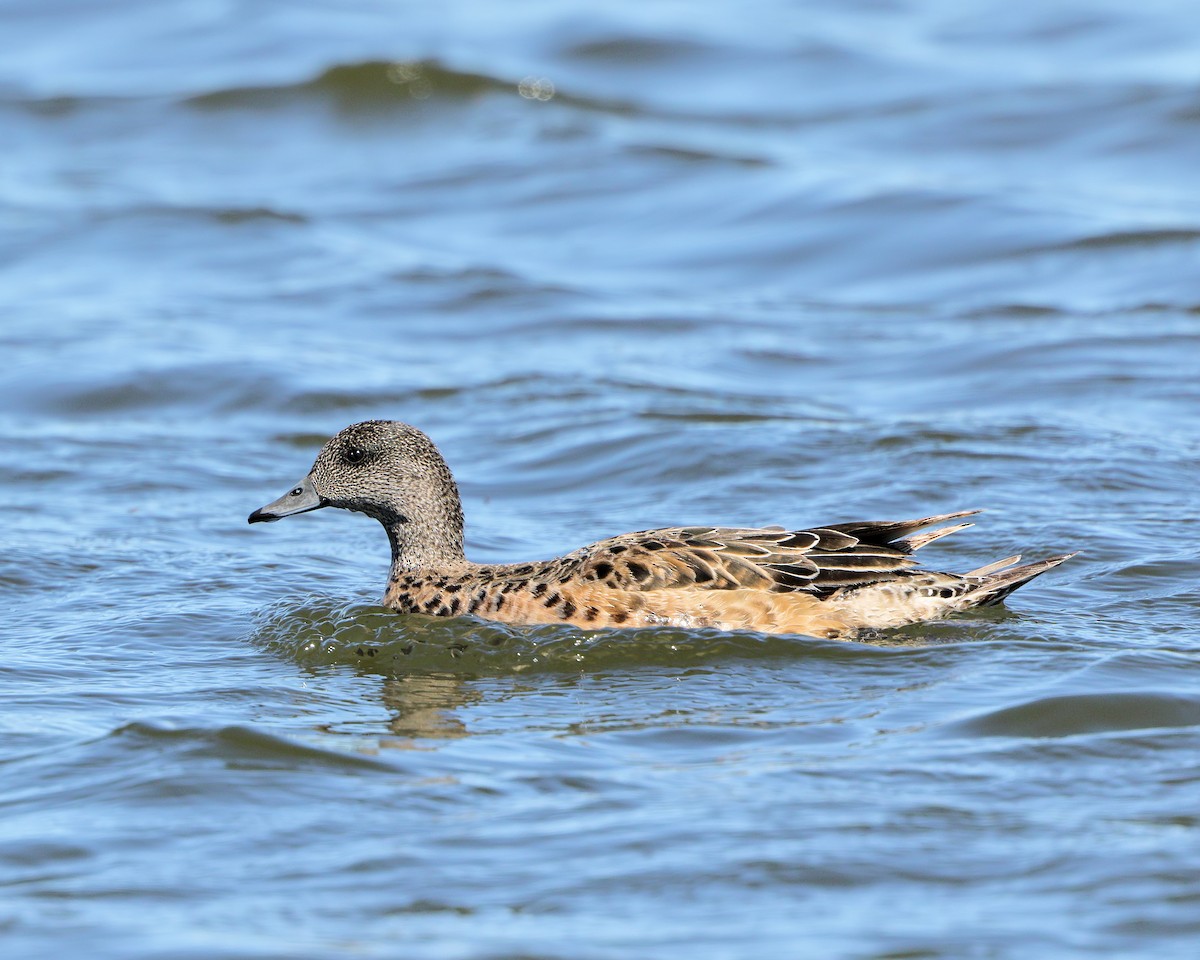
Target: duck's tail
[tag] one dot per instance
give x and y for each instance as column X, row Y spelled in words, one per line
column 1000, row 579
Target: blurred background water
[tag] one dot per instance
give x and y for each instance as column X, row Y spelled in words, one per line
column 629, row 264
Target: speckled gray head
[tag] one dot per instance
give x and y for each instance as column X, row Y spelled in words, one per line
column 390, row 471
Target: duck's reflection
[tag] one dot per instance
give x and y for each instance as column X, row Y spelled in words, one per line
column 427, row 705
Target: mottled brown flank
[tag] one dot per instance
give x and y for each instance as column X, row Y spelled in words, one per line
column 638, row 571
column 826, row 581
column 731, row 579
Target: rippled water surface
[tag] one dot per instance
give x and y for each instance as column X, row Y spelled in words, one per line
column 629, row 265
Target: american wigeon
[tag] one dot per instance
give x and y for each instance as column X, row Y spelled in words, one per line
column 828, row 581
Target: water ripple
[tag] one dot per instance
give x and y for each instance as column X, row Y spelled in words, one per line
column 376, row 640
column 1077, row 714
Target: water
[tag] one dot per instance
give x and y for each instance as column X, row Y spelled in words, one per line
column 629, row 266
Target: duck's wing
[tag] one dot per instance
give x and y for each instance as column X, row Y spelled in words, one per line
column 817, row 561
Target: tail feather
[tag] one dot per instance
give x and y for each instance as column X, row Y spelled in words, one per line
column 896, row 533
column 994, row 567
column 915, row 542
column 999, row 583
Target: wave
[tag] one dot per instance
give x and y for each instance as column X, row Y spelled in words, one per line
column 242, row 744
column 316, row 631
column 1079, row 714
column 369, row 85
column 364, row 84
column 1133, row 238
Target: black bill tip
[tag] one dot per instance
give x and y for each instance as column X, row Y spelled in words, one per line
column 300, row 499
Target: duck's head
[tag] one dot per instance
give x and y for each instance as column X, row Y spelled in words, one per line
column 390, row 471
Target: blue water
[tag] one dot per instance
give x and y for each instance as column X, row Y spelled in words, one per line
column 629, row 266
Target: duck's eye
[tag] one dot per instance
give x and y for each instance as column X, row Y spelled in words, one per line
column 296, row 492
column 356, row 455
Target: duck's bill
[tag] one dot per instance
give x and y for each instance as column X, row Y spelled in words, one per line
column 300, row 499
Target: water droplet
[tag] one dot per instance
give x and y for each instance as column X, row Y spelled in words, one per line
column 536, row 88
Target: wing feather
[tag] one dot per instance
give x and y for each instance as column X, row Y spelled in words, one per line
column 817, row 561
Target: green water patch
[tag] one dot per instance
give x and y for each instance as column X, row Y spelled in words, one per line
column 315, row 631
column 320, row 631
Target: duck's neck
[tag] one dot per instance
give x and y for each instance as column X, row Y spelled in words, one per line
column 417, row 547
column 429, row 536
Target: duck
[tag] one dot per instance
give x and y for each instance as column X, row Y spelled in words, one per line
column 833, row 581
